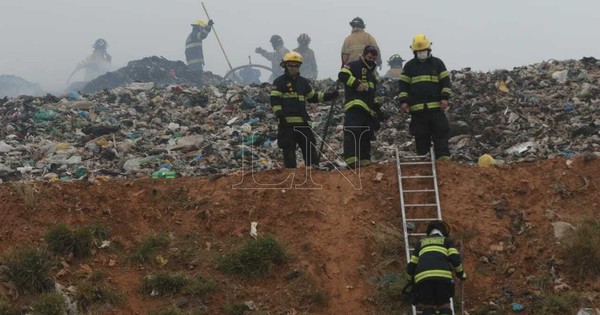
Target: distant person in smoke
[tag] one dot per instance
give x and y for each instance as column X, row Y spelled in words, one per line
column 309, row 66
column 96, row 64
column 274, row 57
column 355, row 43
column 194, row 54
column 395, row 63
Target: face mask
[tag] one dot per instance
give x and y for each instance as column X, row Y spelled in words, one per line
column 422, row 54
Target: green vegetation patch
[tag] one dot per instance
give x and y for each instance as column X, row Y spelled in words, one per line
column 581, row 250
column 254, row 258
column 28, row 268
column 49, row 304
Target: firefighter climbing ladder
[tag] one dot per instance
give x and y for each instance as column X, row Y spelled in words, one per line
column 416, row 213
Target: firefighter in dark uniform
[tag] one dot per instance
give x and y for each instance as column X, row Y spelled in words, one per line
column 194, row 55
column 362, row 111
column 430, row 268
column 424, row 92
column 289, row 95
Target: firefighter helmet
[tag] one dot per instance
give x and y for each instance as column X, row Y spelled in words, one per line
column 440, row 226
column 100, row 44
column 357, row 22
column 276, row 39
column 291, row 56
column 395, row 60
column 420, row 42
column 200, row 23
column 303, row 39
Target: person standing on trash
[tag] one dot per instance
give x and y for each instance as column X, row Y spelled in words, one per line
column 355, row 43
column 194, row 54
column 289, row 95
column 98, row 63
column 274, row 57
column 425, row 89
column 430, row 269
column 395, row 63
column 362, row 110
column 309, row 66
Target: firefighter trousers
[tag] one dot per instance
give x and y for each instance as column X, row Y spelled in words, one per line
column 357, row 137
column 290, row 136
column 430, row 125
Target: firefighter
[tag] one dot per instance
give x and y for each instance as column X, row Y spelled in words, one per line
column 362, row 111
column 289, row 95
column 98, row 63
column 274, row 57
column 194, row 55
column 309, row 66
column 395, row 63
column 430, row 268
column 424, row 92
column 355, row 43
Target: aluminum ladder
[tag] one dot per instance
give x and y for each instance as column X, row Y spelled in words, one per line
column 420, row 204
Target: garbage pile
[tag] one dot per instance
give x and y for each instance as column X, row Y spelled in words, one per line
column 147, row 129
column 150, row 69
column 11, row 86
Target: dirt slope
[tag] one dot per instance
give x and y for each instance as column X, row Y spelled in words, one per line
column 502, row 213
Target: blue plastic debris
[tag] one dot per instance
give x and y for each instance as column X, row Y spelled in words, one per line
column 73, row 96
column 516, row 307
column 568, row 107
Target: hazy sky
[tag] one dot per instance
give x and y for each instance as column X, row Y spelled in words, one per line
column 43, row 40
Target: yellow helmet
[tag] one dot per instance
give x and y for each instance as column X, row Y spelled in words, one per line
column 199, row 23
column 292, row 56
column 420, row 42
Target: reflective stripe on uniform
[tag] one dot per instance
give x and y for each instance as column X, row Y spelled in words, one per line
column 424, row 78
column 443, row 74
column 403, row 94
column 421, row 106
column 438, row 249
column 277, row 108
column 351, row 160
column 459, row 268
column 293, row 95
column 405, row 78
column 447, row 90
column 276, row 93
column 321, row 97
column 310, row 94
column 452, row 251
column 414, row 259
column 192, row 45
column 433, row 273
column 360, row 103
column 294, row 119
column 193, row 61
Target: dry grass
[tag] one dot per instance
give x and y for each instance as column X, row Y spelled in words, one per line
column 581, row 250
column 28, row 268
column 28, row 193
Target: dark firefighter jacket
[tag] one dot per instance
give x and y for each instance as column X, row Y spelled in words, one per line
column 193, row 45
column 434, row 257
column 289, row 96
column 424, row 82
column 352, row 75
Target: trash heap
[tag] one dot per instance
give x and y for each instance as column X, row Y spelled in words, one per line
column 151, row 129
column 150, row 69
column 11, row 86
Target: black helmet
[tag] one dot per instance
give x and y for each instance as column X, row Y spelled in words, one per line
column 395, row 60
column 100, row 44
column 357, row 22
column 276, row 39
column 440, row 226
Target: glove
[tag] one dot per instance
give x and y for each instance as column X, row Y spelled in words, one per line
column 328, row 96
column 210, row 23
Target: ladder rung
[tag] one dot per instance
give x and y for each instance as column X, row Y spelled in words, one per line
column 414, row 163
column 415, row 156
column 419, row 190
column 421, row 205
column 417, row 234
column 422, row 219
column 418, row 176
